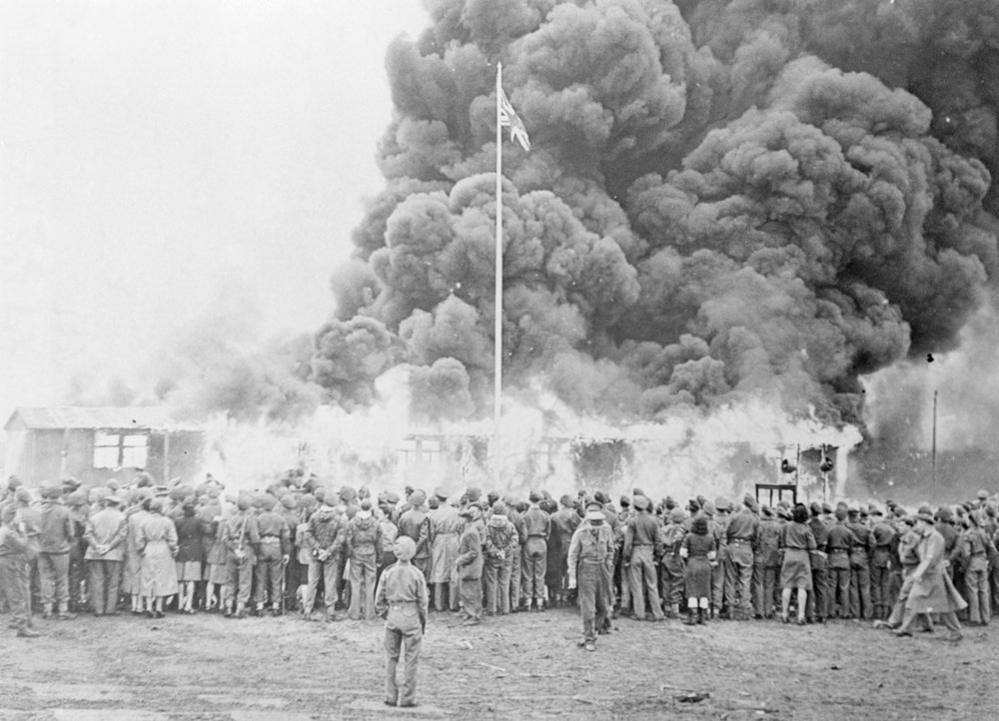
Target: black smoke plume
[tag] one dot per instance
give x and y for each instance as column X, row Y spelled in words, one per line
column 724, row 199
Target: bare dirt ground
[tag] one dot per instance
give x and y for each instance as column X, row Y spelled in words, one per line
column 523, row 666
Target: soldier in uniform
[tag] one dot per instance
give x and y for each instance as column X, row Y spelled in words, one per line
column 402, row 600
column 590, row 560
column 883, row 538
column 565, row 521
column 364, row 542
column 14, row 570
column 767, row 565
column 240, row 538
column 534, row 556
column 642, row 546
column 55, row 540
column 325, row 535
column 516, row 517
column 621, row 585
column 275, row 552
column 818, row 599
column 974, row 549
column 500, row 537
column 742, row 538
column 839, row 542
column 389, row 531
column 716, row 528
column 294, row 571
column 79, row 508
column 469, row 566
column 860, row 566
column 671, row 578
column 413, row 522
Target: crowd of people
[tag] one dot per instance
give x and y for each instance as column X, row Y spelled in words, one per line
column 301, row 546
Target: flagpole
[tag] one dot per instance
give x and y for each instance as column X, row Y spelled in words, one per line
column 498, row 300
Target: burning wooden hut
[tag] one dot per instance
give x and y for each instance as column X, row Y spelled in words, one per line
column 94, row 444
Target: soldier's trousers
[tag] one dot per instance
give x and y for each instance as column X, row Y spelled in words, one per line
column 643, row 580
column 533, row 567
column 53, row 568
column 768, row 591
column 592, row 581
column 994, row 584
column 423, row 563
column 894, row 587
column 238, row 580
column 497, row 585
column 105, row 583
column 671, row 584
column 329, row 571
column 817, row 606
column 470, row 593
column 976, row 587
column 515, row 560
column 881, row 591
column 404, row 643
column 77, row 577
column 739, row 580
column 14, row 589
column 362, row 587
column 622, row 580
column 268, row 586
column 839, row 592
column 860, row 591
column 718, row 579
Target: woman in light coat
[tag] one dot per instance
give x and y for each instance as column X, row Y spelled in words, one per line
column 157, row 543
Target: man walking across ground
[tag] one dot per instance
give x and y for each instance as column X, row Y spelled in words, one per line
column 591, row 557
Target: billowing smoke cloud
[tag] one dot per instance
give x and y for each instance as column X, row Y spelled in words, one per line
column 724, row 200
column 221, row 364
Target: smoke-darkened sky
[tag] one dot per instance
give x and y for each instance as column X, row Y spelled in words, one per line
column 724, row 200
column 161, row 158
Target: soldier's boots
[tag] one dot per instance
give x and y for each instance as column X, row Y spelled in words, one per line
column 27, row 632
column 64, row 614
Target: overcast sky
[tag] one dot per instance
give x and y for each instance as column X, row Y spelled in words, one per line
column 155, row 156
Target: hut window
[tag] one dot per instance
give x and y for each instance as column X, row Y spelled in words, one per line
column 120, row 450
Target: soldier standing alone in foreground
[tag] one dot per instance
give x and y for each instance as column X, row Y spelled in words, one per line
column 591, row 556
column 402, row 600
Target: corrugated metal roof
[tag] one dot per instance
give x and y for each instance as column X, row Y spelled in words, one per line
column 60, row 417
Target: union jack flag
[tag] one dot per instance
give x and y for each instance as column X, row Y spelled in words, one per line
column 510, row 119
